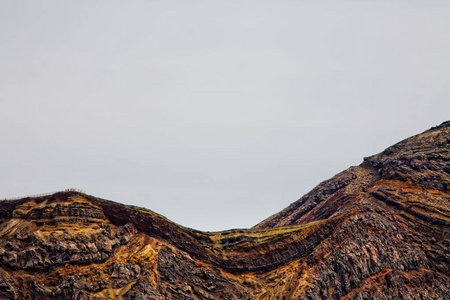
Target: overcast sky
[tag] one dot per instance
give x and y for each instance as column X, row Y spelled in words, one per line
column 215, row 114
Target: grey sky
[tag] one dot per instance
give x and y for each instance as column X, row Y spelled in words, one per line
column 215, row 114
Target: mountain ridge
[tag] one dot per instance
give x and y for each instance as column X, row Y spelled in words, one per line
column 380, row 230
column 391, row 166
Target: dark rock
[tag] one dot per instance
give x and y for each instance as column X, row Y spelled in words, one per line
column 380, row 230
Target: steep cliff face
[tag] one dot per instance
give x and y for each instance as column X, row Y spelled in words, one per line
column 395, row 241
column 380, row 230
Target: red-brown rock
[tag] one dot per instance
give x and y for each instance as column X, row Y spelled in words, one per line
column 380, row 230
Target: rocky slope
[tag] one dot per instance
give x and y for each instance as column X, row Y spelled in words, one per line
column 380, row 230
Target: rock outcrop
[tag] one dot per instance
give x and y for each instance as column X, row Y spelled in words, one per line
column 380, row 230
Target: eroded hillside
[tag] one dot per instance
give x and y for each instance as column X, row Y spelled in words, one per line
column 380, row 230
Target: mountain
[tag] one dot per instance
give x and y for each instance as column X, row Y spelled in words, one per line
column 380, row 230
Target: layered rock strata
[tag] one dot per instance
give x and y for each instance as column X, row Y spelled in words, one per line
column 380, row 230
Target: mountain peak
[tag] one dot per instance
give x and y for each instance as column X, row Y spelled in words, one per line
column 420, row 162
column 380, row 230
